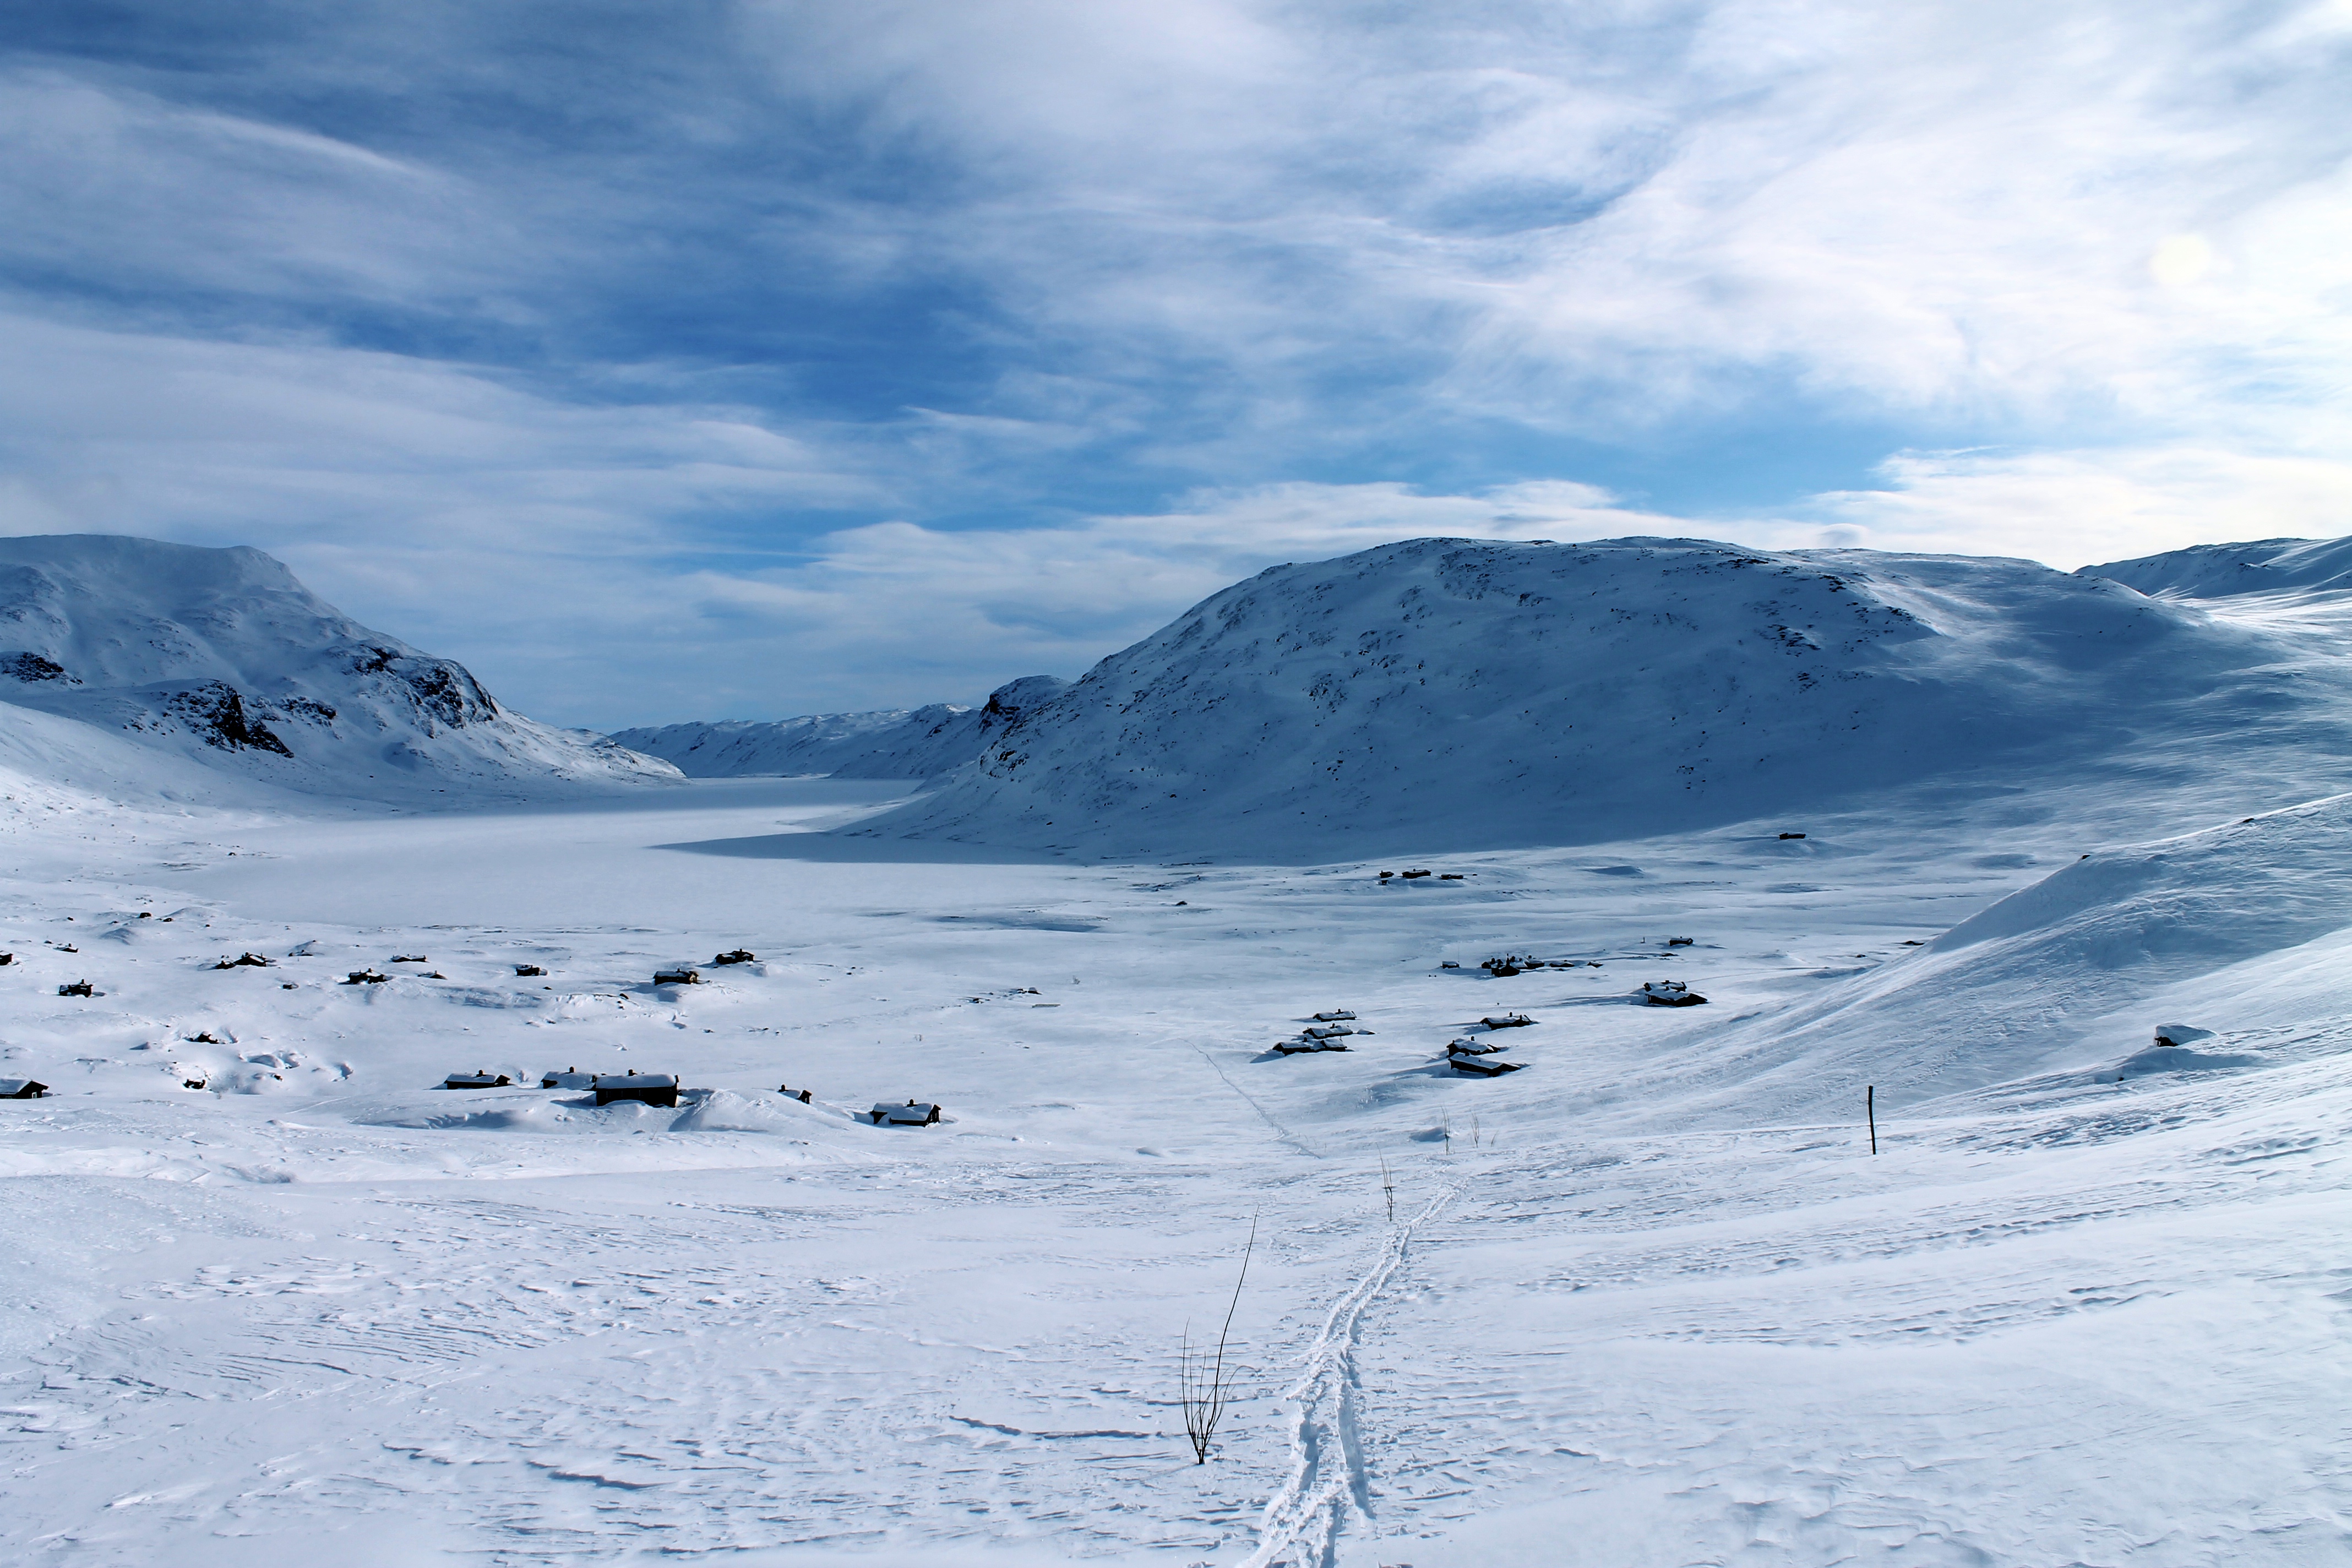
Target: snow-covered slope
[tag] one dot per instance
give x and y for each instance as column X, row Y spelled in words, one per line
column 222, row 656
column 1447, row 693
column 2068, row 976
column 894, row 743
column 2226, row 571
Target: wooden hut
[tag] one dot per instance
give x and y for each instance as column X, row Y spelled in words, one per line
column 477, row 1079
column 646, row 1087
column 22, row 1089
column 1482, row 1066
column 911, row 1114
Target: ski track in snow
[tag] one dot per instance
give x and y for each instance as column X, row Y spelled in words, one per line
column 1651, row 1303
column 1327, row 1478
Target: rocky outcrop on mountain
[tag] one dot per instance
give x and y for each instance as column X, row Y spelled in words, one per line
column 224, row 656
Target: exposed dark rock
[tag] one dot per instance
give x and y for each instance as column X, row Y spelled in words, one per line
column 31, row 666
column 217, row 712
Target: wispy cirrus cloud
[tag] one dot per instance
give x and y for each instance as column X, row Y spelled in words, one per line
column 762, row 330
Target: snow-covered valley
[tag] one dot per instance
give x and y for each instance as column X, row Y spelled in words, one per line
column 1653, row 1298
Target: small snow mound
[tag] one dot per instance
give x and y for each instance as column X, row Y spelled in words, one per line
column 725, row 1111
column 2178, row 1058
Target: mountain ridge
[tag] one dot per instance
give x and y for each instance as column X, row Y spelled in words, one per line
column 223, row 656
column 1460, row 693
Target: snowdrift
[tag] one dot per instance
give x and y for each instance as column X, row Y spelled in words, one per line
column 894, row 743
column 1456, row 694
column 221, row 657
column 2072, row 972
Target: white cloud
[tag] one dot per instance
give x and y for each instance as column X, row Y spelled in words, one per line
column 2074, row 509
column 1226, row 240
column 1593, row 221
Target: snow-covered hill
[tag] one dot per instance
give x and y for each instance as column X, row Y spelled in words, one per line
column 1910, row 1246
column 221, row 657
column 1446, row 694
column 2243, row 928
column 2227, row 571
column 894, row 743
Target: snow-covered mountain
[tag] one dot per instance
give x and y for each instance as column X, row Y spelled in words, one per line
column 223, row 658
column 2227, row 571
column 893, row 743
column 1452, row 693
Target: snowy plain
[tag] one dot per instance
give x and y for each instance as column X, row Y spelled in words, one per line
column 1652, row 1299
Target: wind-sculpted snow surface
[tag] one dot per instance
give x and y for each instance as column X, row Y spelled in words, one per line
column 1447, row 693
column 2228, row 571
column 2030, row 986
column 267, row 1287
column 893, row 743
column 221, row 656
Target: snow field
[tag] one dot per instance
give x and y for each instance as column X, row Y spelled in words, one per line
column 1650, row 1301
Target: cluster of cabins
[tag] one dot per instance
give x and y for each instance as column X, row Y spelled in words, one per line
column 662, row 1089
column 1327, row 1031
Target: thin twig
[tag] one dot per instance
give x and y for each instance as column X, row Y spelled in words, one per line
column 1204, row 1401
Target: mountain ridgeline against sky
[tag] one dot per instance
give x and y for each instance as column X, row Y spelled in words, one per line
column 1449, row 693
column 222, row 656
column 2232, row 571
column 892, row 744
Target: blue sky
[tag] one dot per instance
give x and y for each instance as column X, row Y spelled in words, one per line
column 738, row 360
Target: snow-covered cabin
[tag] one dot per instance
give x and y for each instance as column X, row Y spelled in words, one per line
column 1482, row 1066
column 1306, row 1043
column 740, row 956
column 1335, row 1015
column 2180, row 1034
column 647, row 1087
column 22, row 1089
column 678, row 977
column 568, row 1078
column 1507, row 1021
column 1469, row 1046
column 477, row 1079
column 1670, row 993
column 911, row 1114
